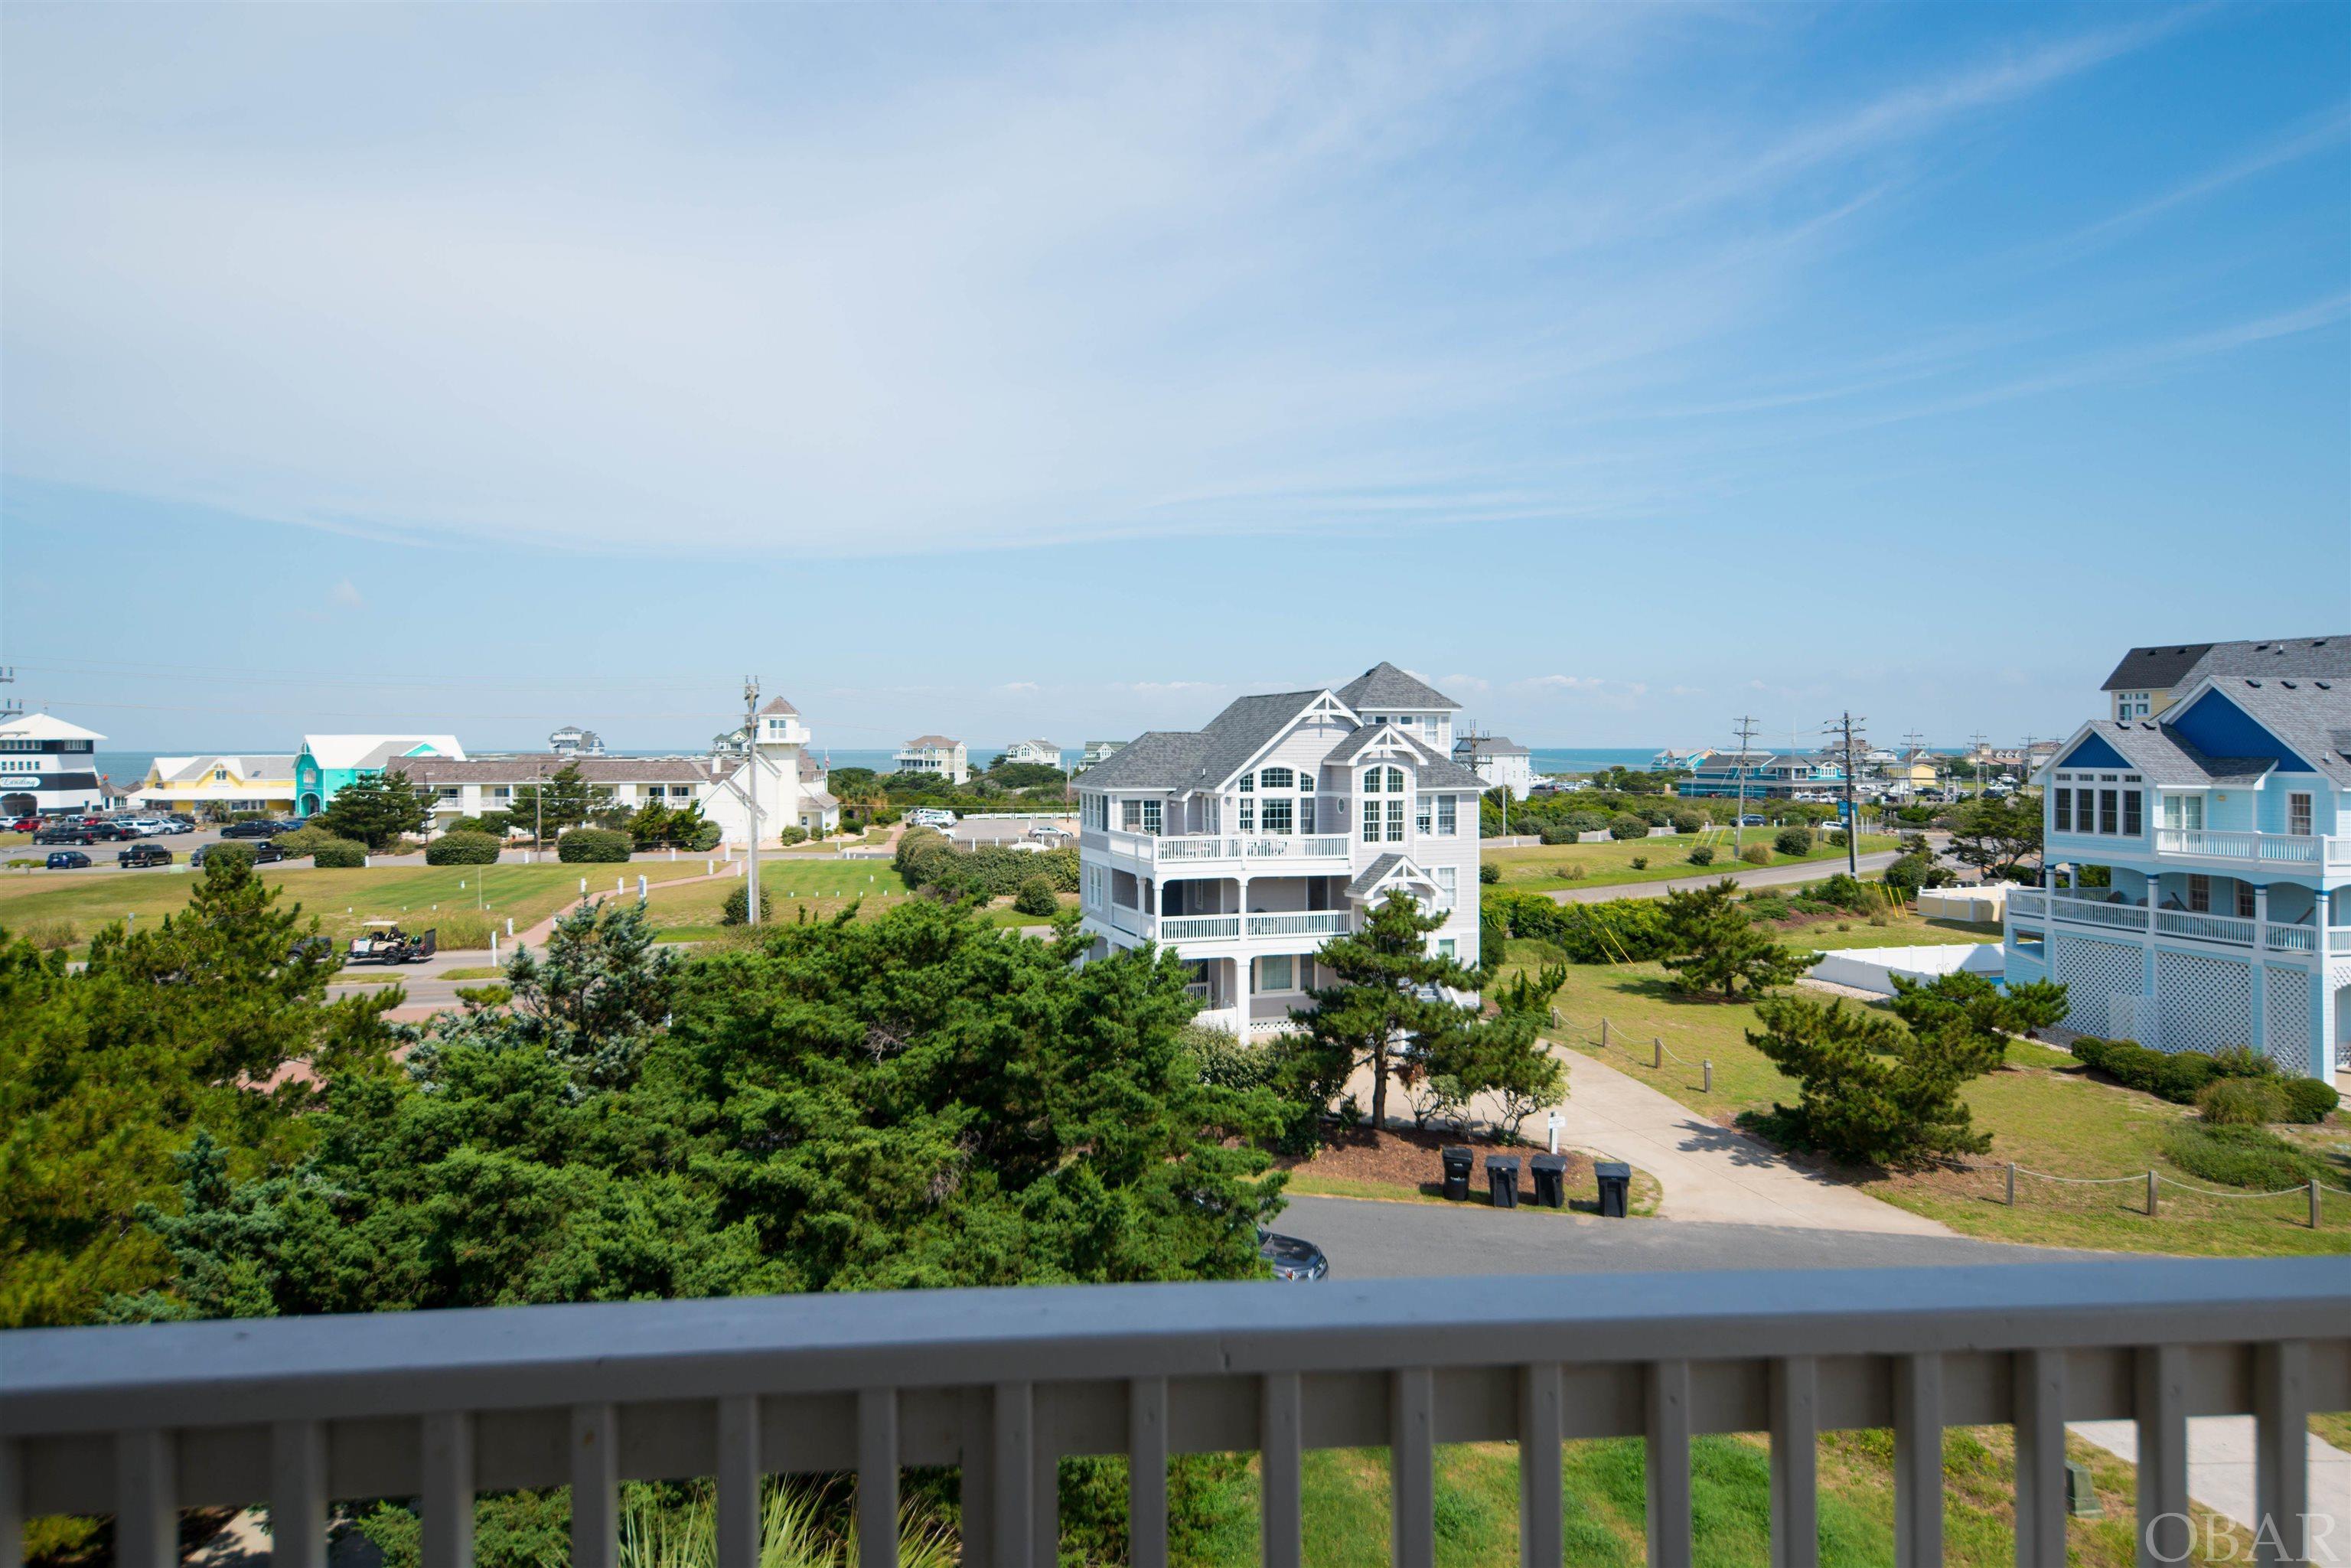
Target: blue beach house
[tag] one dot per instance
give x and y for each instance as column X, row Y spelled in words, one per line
column 2197, row 892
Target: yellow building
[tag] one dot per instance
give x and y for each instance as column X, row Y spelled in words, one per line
column 217, row 786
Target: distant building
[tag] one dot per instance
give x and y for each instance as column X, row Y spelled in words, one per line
column 328, row 762
column 1042, row 752
column 47, row 767
column 1760, row 776
column 1500, row 761
column 937, row 756
column 218, row 785
column 2142, row 684
column 573, row 741
column 1098, row 751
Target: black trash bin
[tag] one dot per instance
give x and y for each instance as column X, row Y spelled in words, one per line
column 1551, row 1180
column 1502, row 1179
column 1458, row 1164
column 1615, row 1188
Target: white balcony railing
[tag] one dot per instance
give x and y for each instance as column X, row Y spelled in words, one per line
column 1307, row 923
column 1321, row 846
column 2338, row 939
column 1191, row 848
column 140, row 1422
column 1197, row 927
column 2025, row 901
column 2099, row 911
column 2263, row 848
column 2200, row 928
column 2289, row 938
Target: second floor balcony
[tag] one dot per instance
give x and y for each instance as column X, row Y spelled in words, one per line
column 1275, row 854
column 2106, row 909
column 2327, row 852
column 1192, row 930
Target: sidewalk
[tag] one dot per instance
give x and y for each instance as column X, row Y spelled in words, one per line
column 2220, row 1472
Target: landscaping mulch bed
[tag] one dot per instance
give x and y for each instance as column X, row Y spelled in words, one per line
column 1407, row 1158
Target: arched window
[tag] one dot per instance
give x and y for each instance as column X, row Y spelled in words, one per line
column 1395, row 782
column 1277, row 778
column 1248, row 783
column 1371, row 780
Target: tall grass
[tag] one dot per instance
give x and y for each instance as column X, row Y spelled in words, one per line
column 803, row 1524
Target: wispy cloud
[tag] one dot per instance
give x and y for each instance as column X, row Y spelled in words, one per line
column 345, row 595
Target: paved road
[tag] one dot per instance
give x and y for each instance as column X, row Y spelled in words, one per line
column 1754, row 877
column 1369, row 1240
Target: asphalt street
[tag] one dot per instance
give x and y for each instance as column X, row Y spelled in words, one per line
column 1368, row 1240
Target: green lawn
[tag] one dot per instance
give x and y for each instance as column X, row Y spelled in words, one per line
column 823, row 888
column 1346, row 1506
column 1549, row 867
column 67, row 908
column 2044, row 1112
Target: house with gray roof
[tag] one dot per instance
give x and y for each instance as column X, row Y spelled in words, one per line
column 1247, row 843
column 1500, row 761
column 2197, row 864
column 2145, row 681
column 936, row 756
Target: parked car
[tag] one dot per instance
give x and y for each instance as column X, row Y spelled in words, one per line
column 1751, row 820
column 63, row 833
column 258, row 829
column 24, row 825
column 1292, row 1259
column 68, row 860
column 113, row 832
column 180, row 824
column 263, row 854
column 144, row 854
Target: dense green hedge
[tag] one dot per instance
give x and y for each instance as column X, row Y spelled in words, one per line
column 1794, row 841
column 1607, row 933
column 588, row 846
column 2180, row 1076
column 736, row 908
column 1036, row 897
column 340, row 854
column 929, row 860
column 462, row 848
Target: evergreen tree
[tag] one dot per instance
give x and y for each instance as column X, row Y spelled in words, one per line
column 1715, row 945
column 1385, row 1008
column 375, row 808
column 563, row 800
column 1872, row 1090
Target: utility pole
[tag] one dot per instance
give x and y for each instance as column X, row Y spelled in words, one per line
column 1739, row 815
column 751, row 796
column 1847, row 727
column 1975, row 750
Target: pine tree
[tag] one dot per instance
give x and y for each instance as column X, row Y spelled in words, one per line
column 375, row 808
column 1715, row 945
column 1386, row 1008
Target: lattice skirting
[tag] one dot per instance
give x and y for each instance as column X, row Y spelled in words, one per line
column 2285, row 1016
column 2092, row 972
column 2206, row 1003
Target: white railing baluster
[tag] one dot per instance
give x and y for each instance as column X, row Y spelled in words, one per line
column 595, row 1486
column 297, row 1495
column 1667, row 1420
column 2039, row 1391
column 1412, row 1468
column 1012, row 1458
column 2280, row 1452
column 1281, row 1429
column 2160, row 1403
column 447, row 1462
column 146, row 1501
column 1541, row 1429
column 739, row 1469
column 1796, row 1462
column 1918, row 1461
column 1146, row 1473
column 877, row 1477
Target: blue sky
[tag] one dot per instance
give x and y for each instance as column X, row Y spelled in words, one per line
column 1067, row 371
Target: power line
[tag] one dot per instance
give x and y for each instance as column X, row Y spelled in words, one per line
column 1847, row 727
column 1746, row 750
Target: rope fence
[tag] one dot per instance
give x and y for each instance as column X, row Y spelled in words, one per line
column 1658, row 1053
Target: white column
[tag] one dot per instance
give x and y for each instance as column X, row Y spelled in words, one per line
column 2259, row 1025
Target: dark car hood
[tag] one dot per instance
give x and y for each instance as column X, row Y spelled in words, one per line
column 1278, row 1248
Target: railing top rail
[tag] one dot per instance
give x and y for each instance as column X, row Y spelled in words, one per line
column 396, row 1364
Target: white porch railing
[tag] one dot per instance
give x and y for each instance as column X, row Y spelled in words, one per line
column 1320, row 846
column 294, row 1411
column 2289, row 938
column 2202, row 927
column 1197, row 927
column 2097, row 912
column 2338, row 939
column 1186, row 848
column 1307, row 923
column 1196, row 847
column 2024, row 901
column 2265, row 849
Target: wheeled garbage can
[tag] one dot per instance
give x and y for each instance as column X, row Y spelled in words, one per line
column 1458, row 1164
column 1615, row 1188
column 1502, row 1179
column 1551, row 1180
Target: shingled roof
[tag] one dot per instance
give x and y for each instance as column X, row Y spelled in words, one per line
column 2169, row 666
column 1385, row 686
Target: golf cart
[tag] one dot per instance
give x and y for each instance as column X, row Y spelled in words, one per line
column 384, row 942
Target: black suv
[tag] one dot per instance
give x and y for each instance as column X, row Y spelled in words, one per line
column 63, row 833
column 144, row 854
column 263, row 854
column 254, row 830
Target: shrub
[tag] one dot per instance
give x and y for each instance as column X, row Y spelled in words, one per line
column 2251, row 1157
column 795, row 834
column 2308, row 1099
column 1620, row 930
column 1794, row 841
column 1584, row 822
column 1557, row 834
column 1756, row 854
column 306, row 840
column 1689, row 822
column 1701, row 854
column 1836, row 839
column 591, row 846
column 51, row 935
column 463, row 848
column 458, row 928
column 1628, row 825
column 736, row 908
column 222, row 853
column 1640, row 862
column 340, row 854
column 2240, row 1102
column 1036, row 897
column 706, row 838
column 1488, row 873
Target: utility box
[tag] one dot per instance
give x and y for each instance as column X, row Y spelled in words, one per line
column 1502, row 1180
column 2081, row 1497
column 1551, row 1180
column 1615, row 1180
column 1458, row 1163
